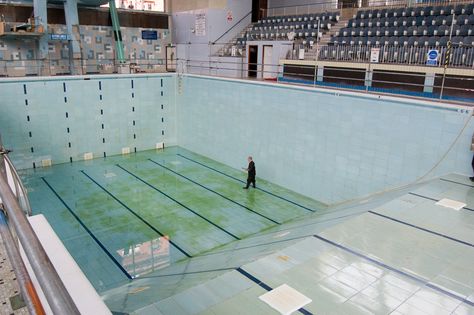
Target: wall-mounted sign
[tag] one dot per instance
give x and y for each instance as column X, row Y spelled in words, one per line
column 374, row 55
column 432, row 57
column 149, row 35
column 230, row 17
column 200, row 24
column 60, row 37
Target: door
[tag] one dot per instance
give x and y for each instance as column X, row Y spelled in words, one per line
column 268, row 68
column 253, row 61
column 171, row 58
column 259, row 9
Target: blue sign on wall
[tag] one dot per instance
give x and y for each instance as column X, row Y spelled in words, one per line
column 150, row 35
column 60, row 37
column 432, row 57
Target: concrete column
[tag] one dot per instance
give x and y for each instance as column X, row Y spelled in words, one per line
column 368, row 77
column 320, row 74
column 41, row 18
column 429, row 82
column 72, row 24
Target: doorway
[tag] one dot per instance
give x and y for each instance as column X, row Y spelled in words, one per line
column 171, row 58
column 267, row 61
column 253, row 61
column 259, row 9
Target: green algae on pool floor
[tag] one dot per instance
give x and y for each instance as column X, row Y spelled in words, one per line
column 122, row 217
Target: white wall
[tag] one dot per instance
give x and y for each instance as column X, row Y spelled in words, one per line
column 216, row 25
column 329, row 145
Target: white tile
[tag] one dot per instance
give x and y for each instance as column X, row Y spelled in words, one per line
column 449, row 203
column 285, row 299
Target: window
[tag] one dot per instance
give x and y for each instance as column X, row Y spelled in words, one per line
column 140, row 5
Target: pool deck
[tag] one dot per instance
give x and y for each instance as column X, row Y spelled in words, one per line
column 405, row 256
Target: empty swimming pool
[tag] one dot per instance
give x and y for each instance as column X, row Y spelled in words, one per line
column 123, row 217
column 171, row 231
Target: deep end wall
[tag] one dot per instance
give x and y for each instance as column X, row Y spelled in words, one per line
column 62, row 118
column 329, row 146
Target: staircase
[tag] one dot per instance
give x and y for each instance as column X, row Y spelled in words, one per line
column 326, row 38
column 226, row 50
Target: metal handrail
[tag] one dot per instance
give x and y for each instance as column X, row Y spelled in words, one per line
column 231, row 28
column 53, row 288
column 19, row 187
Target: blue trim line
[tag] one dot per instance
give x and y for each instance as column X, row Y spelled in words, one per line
column 400, row 272
column 265, row 286
column 136, row 214
column 215, row 192
column 454, row 182
column 89, row 231
column 422, row 229
column 235, row 178
column 433, row 199
column 179, row 203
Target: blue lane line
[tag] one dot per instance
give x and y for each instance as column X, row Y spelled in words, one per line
column 237, row 179
column 89, row 231
column 400, row 272
column 422, row 229
column 433, row 199
column 179, row 203
column 215, row 192
column 265, row 286
column 136, row 215
column 454, row 182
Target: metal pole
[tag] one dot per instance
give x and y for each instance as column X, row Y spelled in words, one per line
column 28, row 291
column 447, row 58
column 53, row 288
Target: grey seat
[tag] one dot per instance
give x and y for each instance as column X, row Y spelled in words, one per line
column 464, row 30
column 446, row 10
column 430, row 31
column 432, row 41
column 443, row 30
column 468, row 9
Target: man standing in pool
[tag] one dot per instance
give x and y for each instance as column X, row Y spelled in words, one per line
column 251, row 173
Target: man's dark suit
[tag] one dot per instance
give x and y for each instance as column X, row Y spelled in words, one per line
column 251, row 174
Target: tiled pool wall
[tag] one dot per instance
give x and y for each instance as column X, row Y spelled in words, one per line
column 329, row 146
column 326, row 145
column 63, row 118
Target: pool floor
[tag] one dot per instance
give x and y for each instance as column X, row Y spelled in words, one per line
column 124, row 217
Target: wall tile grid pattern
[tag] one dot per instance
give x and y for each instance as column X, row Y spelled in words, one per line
column 97, row 46
column 63, row 119
column 330, row 147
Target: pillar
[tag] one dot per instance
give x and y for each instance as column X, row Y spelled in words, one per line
column 429, row 82
column 320, row 74
column 41, row 18
column 368, row 77
column 72, row 24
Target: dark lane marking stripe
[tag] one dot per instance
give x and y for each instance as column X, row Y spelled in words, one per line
column 454, row 182
column 265, row 286
column 215, row 192
column 400, row 272
column 422, row 229
column 136, row 214
column 433, row 199
column 89, row 231
column 237, row 179
column 179, row 203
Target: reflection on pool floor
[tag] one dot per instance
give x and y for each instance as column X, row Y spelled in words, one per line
column 124, row 217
